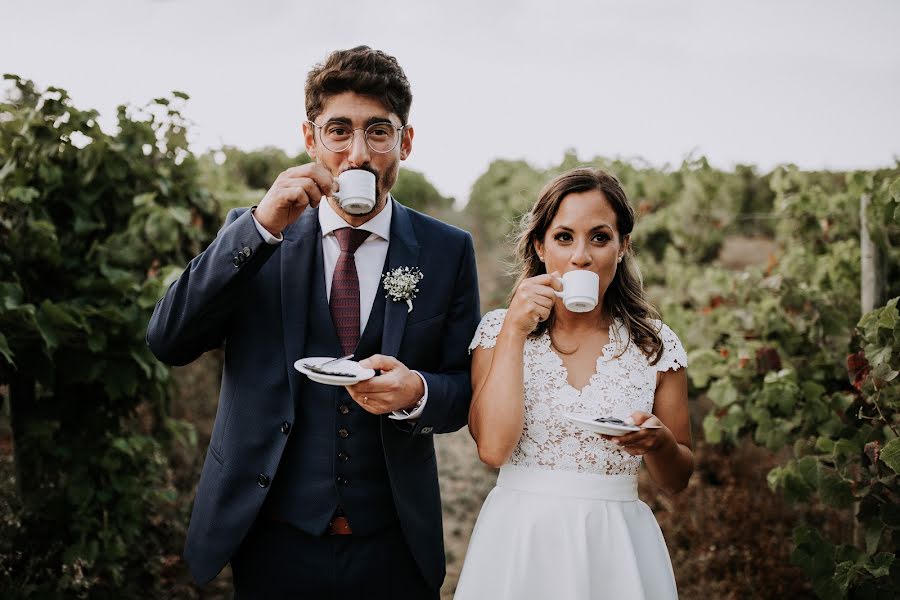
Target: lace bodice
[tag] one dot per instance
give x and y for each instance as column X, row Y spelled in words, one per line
column 620, row 385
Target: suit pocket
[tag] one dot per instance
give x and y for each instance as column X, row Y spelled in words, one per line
column 216, row 455
column 426, row 322
column 223, row 414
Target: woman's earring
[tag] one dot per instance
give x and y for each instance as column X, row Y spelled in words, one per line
column 540, row 258
column 620, row 259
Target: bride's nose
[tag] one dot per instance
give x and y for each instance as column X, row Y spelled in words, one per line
column 581, row 258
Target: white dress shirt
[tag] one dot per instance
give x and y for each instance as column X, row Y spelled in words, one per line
column 369, row 259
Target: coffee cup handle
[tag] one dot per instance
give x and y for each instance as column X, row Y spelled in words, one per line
column 562, row 293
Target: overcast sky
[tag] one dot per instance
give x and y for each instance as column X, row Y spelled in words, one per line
column 816, row 83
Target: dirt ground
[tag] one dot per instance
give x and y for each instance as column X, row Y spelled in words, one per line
column 465, row 482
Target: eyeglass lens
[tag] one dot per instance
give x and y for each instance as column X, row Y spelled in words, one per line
column 380, row 137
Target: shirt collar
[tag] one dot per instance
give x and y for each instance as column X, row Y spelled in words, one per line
column 380, row 224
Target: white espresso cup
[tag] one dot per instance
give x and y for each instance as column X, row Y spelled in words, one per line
column 581, row 290
column 357, row 191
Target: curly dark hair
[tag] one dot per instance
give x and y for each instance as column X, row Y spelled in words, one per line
column 624, row 299
column 362, row 70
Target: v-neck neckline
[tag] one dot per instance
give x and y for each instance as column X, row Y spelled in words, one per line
column 605, row 354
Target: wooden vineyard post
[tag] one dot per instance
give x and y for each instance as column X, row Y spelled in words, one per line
column 872, row 282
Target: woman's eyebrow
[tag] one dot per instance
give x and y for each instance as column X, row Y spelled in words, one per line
column 595, row 228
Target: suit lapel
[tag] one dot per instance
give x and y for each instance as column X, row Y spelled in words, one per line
column 402, row 252
column 298, row 253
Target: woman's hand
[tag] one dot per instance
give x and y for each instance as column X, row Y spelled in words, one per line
column 533, row 301
column 653, row 435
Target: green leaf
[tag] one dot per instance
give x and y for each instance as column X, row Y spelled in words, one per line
column 824, row 445
column 143, row 363
column 873, row 534
column 883, row 374
column 703, row 364
column 812, row 391
column 11, row 295
column 845, row 573
column 63, row 317
column 180, row 214
column 834, row 490
column 845, row 451
column 880, row 564
column 887, row 319
column 147, row 199
column 812, row 553
column 880, row 356
column 712, row 432
column 5, row 350
column 723, row 393
column 890, row 455
column 808, row 468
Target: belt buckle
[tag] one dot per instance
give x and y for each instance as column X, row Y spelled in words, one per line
column 339, row 526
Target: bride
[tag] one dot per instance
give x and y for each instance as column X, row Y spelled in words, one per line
column 564, row 520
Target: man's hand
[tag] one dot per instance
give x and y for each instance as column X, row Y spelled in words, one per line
column 397, row 387
column 292, row 192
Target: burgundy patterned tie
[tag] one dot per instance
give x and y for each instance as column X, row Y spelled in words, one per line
column 344, row 301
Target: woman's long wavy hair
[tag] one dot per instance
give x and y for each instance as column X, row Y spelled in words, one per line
column 624, row 299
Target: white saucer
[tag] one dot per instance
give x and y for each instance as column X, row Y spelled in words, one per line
column 605, row 428
column 345, row 366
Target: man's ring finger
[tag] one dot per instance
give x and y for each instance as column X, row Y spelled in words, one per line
column 366, row 400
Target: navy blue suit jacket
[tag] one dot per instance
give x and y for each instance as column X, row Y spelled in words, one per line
column 252, row 297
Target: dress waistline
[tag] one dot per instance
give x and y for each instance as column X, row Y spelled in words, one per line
column 618, row 488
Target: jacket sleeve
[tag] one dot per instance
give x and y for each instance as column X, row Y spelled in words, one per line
column 194, row 314
column 450, row 387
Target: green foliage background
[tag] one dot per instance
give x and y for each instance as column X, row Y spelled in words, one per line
column 93, row 226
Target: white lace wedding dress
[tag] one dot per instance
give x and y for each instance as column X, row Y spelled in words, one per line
column 564, row 520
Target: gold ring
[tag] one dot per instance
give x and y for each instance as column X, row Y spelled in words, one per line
column 365, row 400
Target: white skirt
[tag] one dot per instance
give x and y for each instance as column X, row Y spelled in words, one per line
column 545, row 534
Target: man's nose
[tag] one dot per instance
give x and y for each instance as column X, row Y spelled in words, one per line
column 358, row 153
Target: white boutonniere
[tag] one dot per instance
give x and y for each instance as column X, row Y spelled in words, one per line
column 402, row 284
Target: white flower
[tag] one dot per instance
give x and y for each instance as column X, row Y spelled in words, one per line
column 540, row 412
column 402, row 284
column 528, row 448
column 570, row 445
column 539, row 433
column 595, row 446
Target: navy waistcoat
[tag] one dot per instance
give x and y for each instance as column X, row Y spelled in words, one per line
column 334, row 458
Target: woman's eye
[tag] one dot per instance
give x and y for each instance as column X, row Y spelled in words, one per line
column 601, row 237
column 562, row 237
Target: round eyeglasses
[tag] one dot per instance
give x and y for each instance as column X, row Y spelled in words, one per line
column 380, row 137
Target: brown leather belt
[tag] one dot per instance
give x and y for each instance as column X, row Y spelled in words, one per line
column 339, row 526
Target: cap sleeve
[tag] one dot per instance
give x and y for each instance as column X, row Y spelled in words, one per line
column 673, row 357
column 488, row 329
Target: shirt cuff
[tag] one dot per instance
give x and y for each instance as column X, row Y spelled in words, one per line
column 268, row 237
column 416, row 411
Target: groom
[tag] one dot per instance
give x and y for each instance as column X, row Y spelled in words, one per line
column 312, row 490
